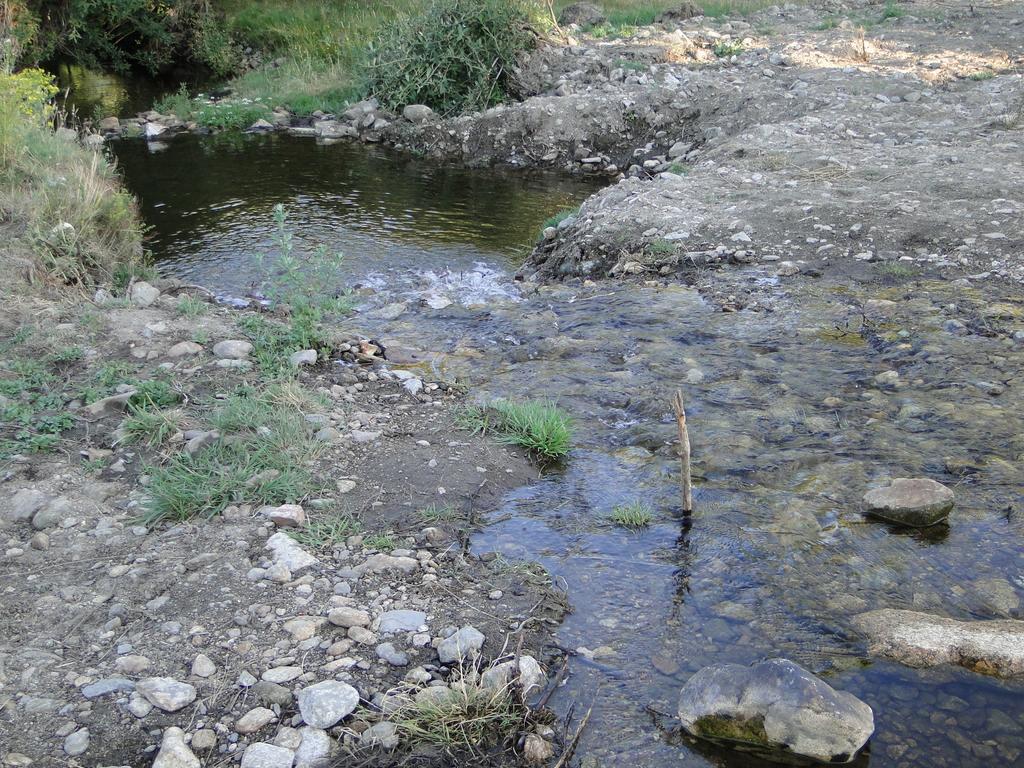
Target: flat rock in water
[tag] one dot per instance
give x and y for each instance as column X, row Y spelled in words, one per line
column 922, row 640
column 779, row 705
column 917, row 502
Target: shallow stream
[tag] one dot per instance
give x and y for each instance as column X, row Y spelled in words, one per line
column 777, row 557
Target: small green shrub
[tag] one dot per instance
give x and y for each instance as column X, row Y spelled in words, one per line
column 154, row 393
column 177, row 103
column 190, row 306
column 470, row 715
column 892, row 11
column 540, row 427
column 558, row 218
column 635, row 514
column 125, row 272
column 981, row 74
column 459, row 55
column 727, row 48
column 229, row 115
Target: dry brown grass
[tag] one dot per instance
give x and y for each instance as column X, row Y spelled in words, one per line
column 64, row 217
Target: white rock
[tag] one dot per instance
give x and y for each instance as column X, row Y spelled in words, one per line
column 314, row 748
column 166, row 693
column 174, row 753
column 143, row 294
column 264, row 755
column 287, row 552
column 254, row 719
column 203, row 666
column 232, row 349
column 325, row 704
column 462, row 645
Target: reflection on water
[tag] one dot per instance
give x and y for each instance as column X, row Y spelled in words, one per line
column 787, row 423
column 211, row 202
column 95, row 94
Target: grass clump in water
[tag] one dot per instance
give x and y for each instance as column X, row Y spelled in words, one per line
column 540, row 427
column 635, row 514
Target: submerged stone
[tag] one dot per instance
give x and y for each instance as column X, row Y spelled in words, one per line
column 777, row 709
column 922, row 640
column 915, row 502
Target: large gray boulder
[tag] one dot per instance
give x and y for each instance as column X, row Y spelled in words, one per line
column 916, row 502
column 922, row 640
column 777, row 709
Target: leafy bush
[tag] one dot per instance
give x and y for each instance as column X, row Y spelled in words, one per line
column 459, row 55
column 125, row 34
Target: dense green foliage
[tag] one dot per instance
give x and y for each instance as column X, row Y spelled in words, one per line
column 458, row 55
column 144, row 34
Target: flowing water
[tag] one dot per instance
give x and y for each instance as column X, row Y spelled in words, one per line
column 777, row 557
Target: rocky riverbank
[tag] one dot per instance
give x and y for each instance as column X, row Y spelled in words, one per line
column 800, row 138
column 278, row 633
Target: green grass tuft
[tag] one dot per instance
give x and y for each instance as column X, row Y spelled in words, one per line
column 383, row 542
column 635, row 514
column 261, row 458
column 150, row 426
column 540, row 427
column 438, row 513
column 325, row 532
column 190, row 306
column 469, row 716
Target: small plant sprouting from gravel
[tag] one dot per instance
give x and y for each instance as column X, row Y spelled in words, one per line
column 635, row 514
column 896, row 271
column 383, row 542
column 190, row 306
column 558, row 218
column 151, row 426
column 438, row 513
column 540, row 427
column 325, row 532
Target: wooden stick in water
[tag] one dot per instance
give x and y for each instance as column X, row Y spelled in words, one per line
column 684, row 451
